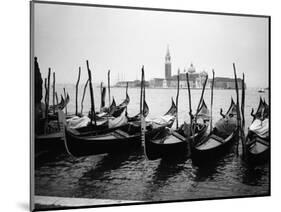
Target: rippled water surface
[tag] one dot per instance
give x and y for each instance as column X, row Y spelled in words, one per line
column 131, row 177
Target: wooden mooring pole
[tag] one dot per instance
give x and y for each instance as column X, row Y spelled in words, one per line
column 48, row 93
column 243, row 116
column 101, row 96
column 57, row 98
column 237, row 106
column 141, row 94
column 191, row 118
column 84, row 92
column 127, row 85
column 142, row 100
column 212, row 98
column 46, row 96
column 54, row 92
column 46, row 106
column 143, row 87
column 177, row 99
column 77, row 87
column 108, row 85
column 93, row 112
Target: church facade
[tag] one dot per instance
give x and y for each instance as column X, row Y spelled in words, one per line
column 196, row 79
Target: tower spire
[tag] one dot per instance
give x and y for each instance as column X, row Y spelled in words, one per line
column 168, row 56
column 168, row 68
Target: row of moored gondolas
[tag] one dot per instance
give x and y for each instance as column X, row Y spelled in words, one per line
column 114, row 131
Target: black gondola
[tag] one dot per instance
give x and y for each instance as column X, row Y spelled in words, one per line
column 103, row 118
column 138, row 117
column 114, row 110
column 257, row 144
column 103, row 125
column 117, row 110
column 219, row 141
column 125, row 102
column 118, row 140
column 61, row 105
column 257, row 148
column 101, row 140
column 173, row 109
column 262, row 105
column 200, row 129
column 173, row 143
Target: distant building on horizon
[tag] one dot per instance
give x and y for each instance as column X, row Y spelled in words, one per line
column 131, row 84
column 226, row 83
column 196, row 79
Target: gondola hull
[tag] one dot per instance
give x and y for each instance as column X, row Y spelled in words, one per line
column 115, row 141
column 166, row 147
column 171, row 145
column 78, row 146
column 257, row 149
column 212, row 147
column 259, row 158
column 52, row 142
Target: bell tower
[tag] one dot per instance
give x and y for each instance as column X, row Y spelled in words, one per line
column 168, row 68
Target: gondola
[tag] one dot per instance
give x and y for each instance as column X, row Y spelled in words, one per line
column 173, row 109
column 257, row 148
column 172, row 144
column 167, row 119
column 85, row 126
column 220, row 139
column 261, row 107
column 200, row 128
column 114, row 110
column 125, row 102
column 106, row 110
column 111, row 140
column 231, row 112
column 266, row 109
column 138, row 117
column 118, row 140
column 257, row 140
column 103, row 119
column 61, row 105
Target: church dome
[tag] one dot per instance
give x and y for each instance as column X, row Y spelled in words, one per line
column 191, row 69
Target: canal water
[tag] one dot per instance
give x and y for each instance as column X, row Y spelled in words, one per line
column 130, row 176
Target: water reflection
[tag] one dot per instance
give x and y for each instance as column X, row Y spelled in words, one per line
column 253, row 175
column 167, row 169
column 131, row 176
column 108, row 163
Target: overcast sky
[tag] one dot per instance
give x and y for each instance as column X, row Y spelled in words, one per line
column 123, row 40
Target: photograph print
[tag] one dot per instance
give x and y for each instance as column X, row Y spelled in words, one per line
column 143, row 105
